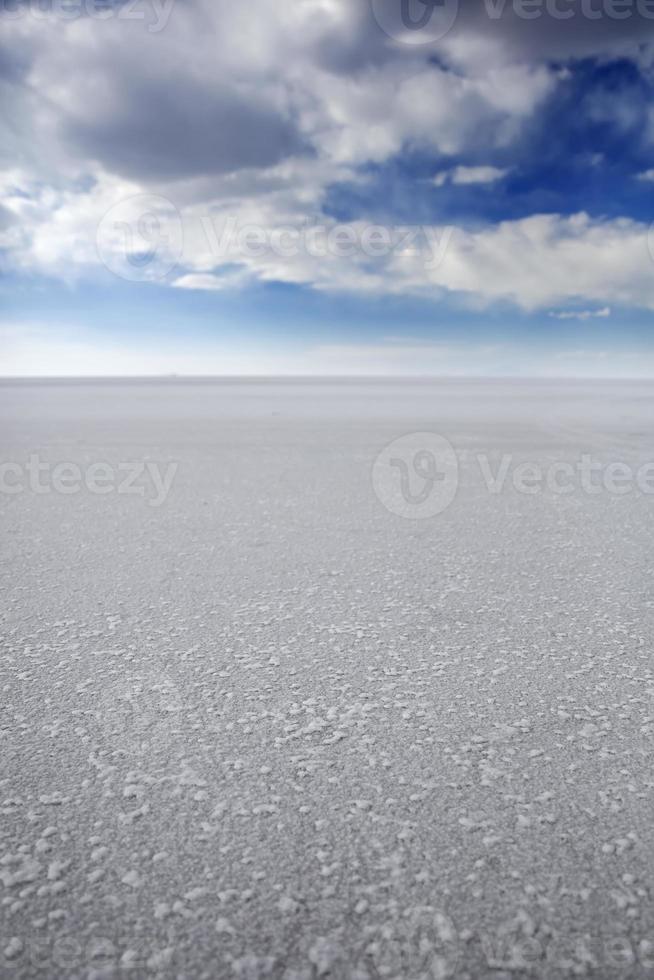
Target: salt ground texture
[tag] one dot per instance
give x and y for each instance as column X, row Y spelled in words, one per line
column 272, row 729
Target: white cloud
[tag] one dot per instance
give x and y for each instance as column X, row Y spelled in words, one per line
column 206, row 281
column 470, row 175
column 581, row 314
column 539, row 262
column 372, row 115
column 542, row 261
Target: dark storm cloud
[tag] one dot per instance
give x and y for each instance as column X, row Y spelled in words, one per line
column 530, row 29
column 164, row 121
column 14, row 64
column 182, row 129
column 575, row 36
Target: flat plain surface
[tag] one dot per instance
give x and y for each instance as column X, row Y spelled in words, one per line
column 271, row 729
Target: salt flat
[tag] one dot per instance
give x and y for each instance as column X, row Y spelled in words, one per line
column 270, row 727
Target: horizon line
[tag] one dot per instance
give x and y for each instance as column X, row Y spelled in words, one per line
column 225, row 378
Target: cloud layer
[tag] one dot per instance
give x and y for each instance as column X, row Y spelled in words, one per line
column 265, row 115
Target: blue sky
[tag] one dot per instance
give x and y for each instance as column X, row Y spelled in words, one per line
column 308, row 188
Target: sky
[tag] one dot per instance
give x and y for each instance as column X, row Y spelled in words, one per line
column 327, row 187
